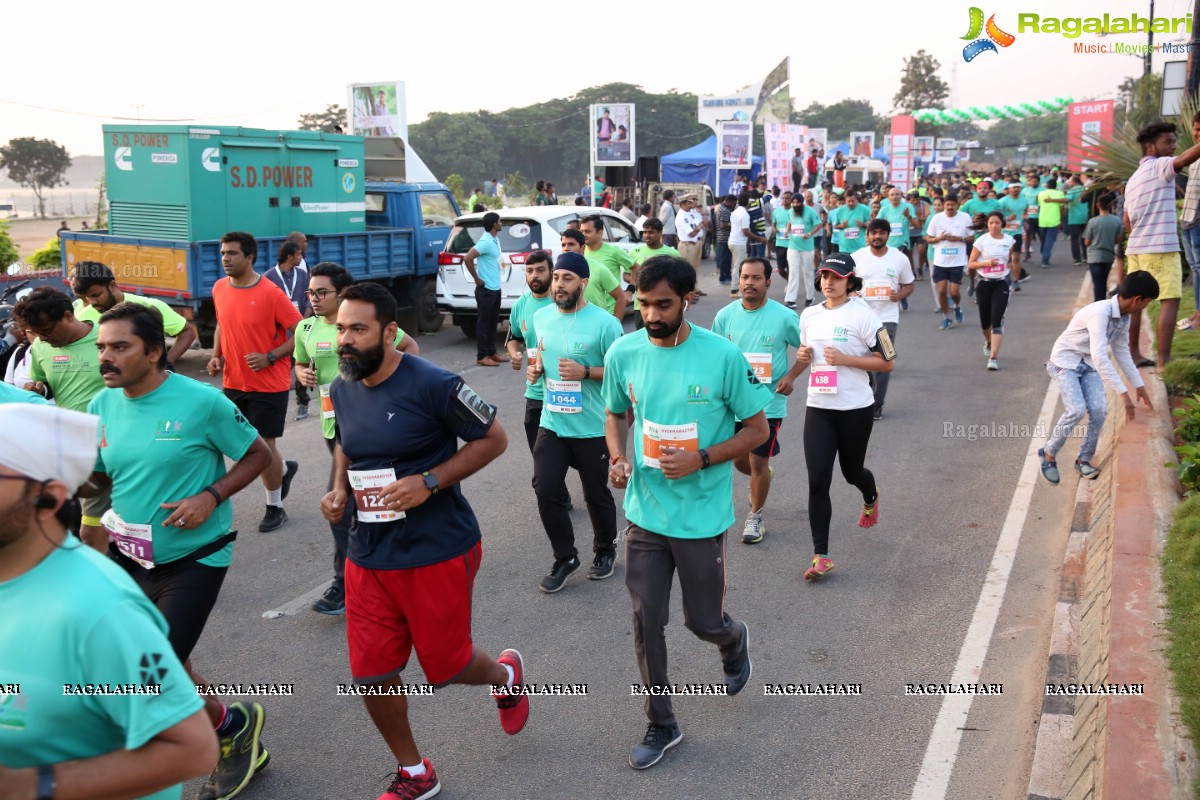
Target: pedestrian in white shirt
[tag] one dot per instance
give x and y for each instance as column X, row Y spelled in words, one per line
column 952, row 234
column 1080, row 365
column 887, row 278
column 666, row 213
column 643, row 215
column 690, row 225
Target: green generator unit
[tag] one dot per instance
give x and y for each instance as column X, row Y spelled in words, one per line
column 191, row 183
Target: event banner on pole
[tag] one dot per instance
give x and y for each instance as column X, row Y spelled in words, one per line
column 613, row 135
column 378, row 109
column 945, row 150
column 782, row 141
column 862, row 143
column 733, row 145
column 1087, row 124
column 903, row 128
column 923, row 148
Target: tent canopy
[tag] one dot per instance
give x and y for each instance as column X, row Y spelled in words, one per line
column 697, row 164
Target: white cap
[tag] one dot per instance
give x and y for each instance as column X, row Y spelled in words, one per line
column 48, row 443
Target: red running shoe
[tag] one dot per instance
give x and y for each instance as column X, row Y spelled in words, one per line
column 870, row 514
column 514, row 708
column 406, row 787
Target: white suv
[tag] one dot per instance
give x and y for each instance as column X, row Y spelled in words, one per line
column 523, row 230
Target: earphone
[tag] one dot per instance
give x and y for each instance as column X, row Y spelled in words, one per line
column 685, row 305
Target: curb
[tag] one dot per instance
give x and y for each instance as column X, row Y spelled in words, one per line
column 1107, row 628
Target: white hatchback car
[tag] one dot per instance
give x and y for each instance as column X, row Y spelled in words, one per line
column 523, row 230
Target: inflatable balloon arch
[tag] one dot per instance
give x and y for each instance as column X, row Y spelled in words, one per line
column 952, row 116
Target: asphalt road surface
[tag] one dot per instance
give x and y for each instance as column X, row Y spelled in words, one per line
column 902, row 607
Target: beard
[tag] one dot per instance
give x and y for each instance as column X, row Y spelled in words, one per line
column 537, row 287
column 664, row 330
column 570, row 301
column 361, row 363
column 15, row 521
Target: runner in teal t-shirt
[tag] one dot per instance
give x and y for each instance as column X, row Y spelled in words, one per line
column 163, row 441
column 316, row 366
column 851, row 221
column 899, row 215
column 651, row 246
column 11, row 394
column 572, row 339
column 762, row 329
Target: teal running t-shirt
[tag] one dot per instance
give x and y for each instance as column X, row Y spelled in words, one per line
column 688, row 397
column 764, row 336
column 162, row 447
column 520, row 322
column 894, row 215
column 573, row 409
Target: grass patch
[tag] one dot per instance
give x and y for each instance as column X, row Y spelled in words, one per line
column 1181, row 577
column 1185, row 343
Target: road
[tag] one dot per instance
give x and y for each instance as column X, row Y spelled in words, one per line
column 898, row 609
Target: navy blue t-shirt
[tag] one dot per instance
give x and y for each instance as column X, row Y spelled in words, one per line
column 411, row 423
column 294, row 284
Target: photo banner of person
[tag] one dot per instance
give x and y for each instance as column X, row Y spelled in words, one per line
column 862, row 143
column 923, row 148
column 1087, row 124
column 782, row 141
column 378, row 109
column 613, row 135
column 734, row 144
column 945, row 150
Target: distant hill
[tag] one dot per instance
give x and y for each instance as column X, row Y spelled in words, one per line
column 83, row 173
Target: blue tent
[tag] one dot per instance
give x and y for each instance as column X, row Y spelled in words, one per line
column 697, row 164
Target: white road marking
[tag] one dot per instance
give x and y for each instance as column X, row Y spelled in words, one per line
column 933, row 781
column 292, row 607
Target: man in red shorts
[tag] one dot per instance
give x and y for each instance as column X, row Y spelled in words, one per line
column 414, row 547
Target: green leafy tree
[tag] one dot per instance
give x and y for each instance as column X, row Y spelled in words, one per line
column 1138, row 101
column 37, row 164
column 9, row 254
column 840, row 118
column 333, row 116
column 920, row 87
column 48, row 257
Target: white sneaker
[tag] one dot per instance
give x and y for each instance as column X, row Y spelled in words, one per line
column 755, row 528
column 987, row 349
column 993, row 364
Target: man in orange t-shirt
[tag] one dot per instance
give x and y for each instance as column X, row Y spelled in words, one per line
column 251, row 344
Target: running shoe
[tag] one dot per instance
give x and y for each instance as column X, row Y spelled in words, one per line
column 290, row 468
column 970, row 292
column 407, row 787
column 739, row 668
column 987, row 349
column 1087, row 469
column 241, row 755
column 958, row 315
column 602, row 565
column 657, row 741
column 878, row 415
column 821, row 565
column 1049, row 468
column 332, row 603
column 790, row 304
column 273, row 519
column 755, row 529
column 946, row 325
column 514, row 708
column 870, row 513
column 558, row 574
column 1017, row 285
column 993, row 364
column 301, row 412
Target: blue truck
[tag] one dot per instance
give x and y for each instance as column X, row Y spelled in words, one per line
column 395, row 229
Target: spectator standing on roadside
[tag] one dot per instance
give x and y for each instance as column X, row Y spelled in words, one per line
column 643, row 215
column 798, row 171
column 666, row 214
column 483, row 263
column 627, row 210
column 690, row 225
column 722, row 215
column 292, row 280
column 1153, row 244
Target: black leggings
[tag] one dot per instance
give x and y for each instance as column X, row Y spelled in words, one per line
column 843, row 434
column 781, row 265
column 992, row 297
column 184, row 591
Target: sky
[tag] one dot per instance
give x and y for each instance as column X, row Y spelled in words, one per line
column 254, row 64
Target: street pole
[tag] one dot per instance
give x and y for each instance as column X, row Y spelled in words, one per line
column 1150, row 42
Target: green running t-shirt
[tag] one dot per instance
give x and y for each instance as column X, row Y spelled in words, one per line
column 764, row 336
column 573, row 409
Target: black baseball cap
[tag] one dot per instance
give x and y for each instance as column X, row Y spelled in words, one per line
column 839, row 264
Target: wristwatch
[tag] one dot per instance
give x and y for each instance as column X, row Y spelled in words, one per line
column 431, row 482
column 271, row 359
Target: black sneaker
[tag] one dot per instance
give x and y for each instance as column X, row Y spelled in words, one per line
column 738, row 669
column 289, row 472
column 241, row 756
column 878, row 413
column 301, row 412
column 272, row 520
column 659, row 739
column 602, row 566
column 558, row 574
column 333, row 602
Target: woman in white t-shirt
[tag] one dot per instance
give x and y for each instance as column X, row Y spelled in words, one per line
column 994, row 256
column 842, row 340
